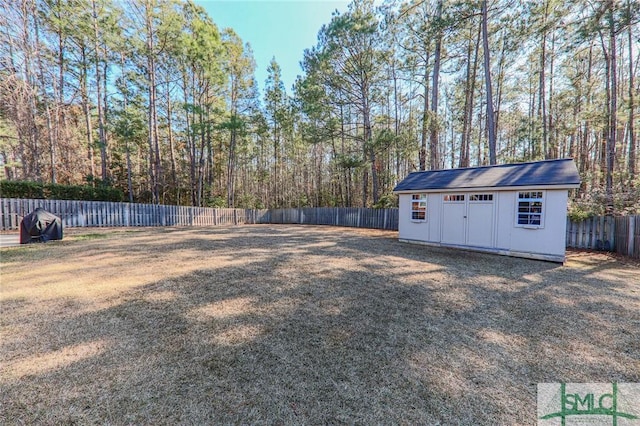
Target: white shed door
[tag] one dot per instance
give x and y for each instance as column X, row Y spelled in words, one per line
column 480, row 221
column 467, row 219
column 454, row 207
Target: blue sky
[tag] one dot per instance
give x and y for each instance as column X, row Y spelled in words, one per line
column 283, row 29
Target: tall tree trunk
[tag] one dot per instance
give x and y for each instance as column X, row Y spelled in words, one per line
column 369, row 148
column 434, row 151
column 491, row 129
column 32, row 165
column 542, row 97
column 101, row 124
column 154, row 150
column 86, row 109
column 61, row 121
column 105, row 107
column 211, row 172
column 61, row 116
column 553, row 143
column 172, row 154
column 583, row 164
column 531, row 154
column 231, row 164
column 12, row 171
column 632, row 138
column 396, row 119
column 202, row 168
column 346, row 170
column 319, row 197
column 500, row 82
column 190, row 141
column 45, row 101
column 425, row 115
column 469, row 97
column 125, row 102
column 611, row 139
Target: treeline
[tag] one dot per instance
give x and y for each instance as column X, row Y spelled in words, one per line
column 56, row 191
column 151, row 97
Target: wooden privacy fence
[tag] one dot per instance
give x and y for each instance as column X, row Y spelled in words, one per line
column 620, row 234
column 337, row 216
column 627, row 235
column 78, row 214
column 98, row 213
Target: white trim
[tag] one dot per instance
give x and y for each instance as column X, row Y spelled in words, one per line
column 422, row 200
column 543, row 210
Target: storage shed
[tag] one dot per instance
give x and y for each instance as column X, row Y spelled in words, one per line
column 511, row 209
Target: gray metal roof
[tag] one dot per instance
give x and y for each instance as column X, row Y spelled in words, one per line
column 561, row 173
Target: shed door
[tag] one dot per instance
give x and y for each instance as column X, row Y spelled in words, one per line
column 453, row 218
column 480, row 220
column 467, row 219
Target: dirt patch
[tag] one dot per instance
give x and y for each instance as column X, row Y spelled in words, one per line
column 301, row 325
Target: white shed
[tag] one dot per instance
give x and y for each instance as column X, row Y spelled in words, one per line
column 511, row 209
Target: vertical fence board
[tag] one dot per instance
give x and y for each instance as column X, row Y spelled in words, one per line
column 631, row 236
column 97, row 208
column 636, row 237
column 68, row 208
column 6, row 219
column 88, row 211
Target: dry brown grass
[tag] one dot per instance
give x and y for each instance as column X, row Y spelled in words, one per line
column 300, row 325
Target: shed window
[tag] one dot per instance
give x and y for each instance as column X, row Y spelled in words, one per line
column 419, row 207
column 453, row 198
column 530, row 209
column 481, row 197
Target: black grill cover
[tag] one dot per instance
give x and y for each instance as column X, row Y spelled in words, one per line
column 40, row 226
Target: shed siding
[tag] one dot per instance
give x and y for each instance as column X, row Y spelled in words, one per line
column 435, row 230
column 409, row 229
column 551, row 239
column 547, row 242
column 420, row 231
column 506, row 216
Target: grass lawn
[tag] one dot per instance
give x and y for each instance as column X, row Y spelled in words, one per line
column 300, row 325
